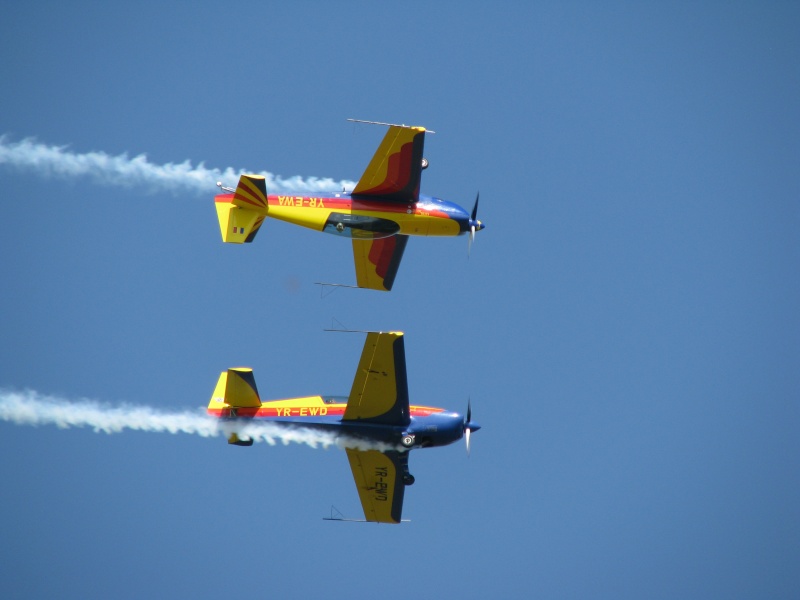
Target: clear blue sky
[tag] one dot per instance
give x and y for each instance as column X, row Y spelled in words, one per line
column 627, row 325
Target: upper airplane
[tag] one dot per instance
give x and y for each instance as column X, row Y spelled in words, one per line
column 377, row 413
column 384, row 208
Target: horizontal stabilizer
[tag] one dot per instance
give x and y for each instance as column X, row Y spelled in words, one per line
column 251, row 193
column 235, row 440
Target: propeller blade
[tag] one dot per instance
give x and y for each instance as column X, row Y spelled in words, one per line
column 473, row 224
column 471, row 239
column 467, row 422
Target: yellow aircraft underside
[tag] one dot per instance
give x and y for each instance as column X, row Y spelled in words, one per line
column 418, row 222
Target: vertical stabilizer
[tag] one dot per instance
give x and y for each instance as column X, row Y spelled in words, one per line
column 241, row 214
column 237, row 388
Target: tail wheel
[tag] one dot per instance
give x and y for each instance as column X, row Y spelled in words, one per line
column 408, row 441
column 425, row 163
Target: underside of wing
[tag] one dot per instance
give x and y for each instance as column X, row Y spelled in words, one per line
column 395, row 170
column 380, row 387
column 379, row 480
column 377, row 261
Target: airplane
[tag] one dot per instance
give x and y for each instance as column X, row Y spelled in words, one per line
column 377, row 424
column 379, row 215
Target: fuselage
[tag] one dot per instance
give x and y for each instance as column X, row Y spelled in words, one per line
column 351, row 216
column 429, row 426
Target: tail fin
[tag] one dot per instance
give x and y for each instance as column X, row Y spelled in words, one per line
column 241, row 215
column 236, row 388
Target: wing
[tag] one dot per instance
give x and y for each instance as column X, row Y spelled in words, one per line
column 379, row 480
column 380, row 388
column 394, row 172
column 377, row 261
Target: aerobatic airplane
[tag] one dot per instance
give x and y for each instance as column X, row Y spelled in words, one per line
column 379, row 215
column 377, row 412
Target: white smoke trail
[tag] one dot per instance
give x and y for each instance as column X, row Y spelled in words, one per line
column 30, row 408
column 121, row 170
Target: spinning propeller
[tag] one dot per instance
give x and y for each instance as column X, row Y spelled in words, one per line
column 474, row 224
column 469, row 426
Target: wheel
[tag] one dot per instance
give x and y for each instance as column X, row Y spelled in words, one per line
column 425, row 163
column 408, row 441
column 408, row 479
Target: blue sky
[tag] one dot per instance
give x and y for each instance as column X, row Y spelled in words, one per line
column 626, row 326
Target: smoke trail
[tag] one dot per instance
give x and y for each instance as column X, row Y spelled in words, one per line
column 121, row 170
column 31, row 408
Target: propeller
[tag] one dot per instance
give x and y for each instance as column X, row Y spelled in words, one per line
column 469, row 426
column 474, row 224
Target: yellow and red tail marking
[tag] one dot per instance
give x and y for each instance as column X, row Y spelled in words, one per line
column 251, row 193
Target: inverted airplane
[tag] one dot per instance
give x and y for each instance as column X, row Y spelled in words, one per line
column 379, row 215
column 377, row 412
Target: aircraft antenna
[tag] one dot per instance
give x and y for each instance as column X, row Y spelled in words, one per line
column 337, row 515
column 335, row 286
column 387, row 124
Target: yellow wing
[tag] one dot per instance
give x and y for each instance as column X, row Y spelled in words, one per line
column 395, row 170
column 379, row 480
column 377, row 261
column 380, row 387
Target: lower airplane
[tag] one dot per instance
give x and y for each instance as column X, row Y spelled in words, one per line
column 377, row 412
column 378, row 215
